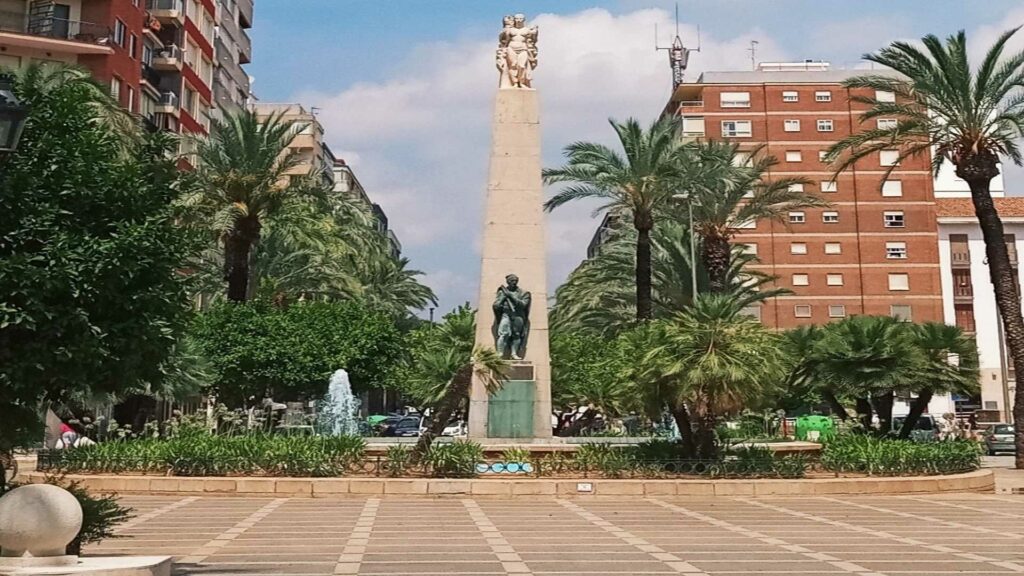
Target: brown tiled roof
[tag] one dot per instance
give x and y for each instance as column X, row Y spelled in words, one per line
column 963, row 207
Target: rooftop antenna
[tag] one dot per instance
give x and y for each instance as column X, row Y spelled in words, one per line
column 753, row 54
column 678, row 55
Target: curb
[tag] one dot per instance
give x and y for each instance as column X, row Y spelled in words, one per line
column 977, row 481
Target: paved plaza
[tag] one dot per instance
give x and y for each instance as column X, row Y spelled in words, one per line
column 866, row 536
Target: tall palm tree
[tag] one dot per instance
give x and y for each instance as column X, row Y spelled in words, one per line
column 726, row 189
column 242, row 179
column 600, row 297
column 719, row 360
column 387, row 283
column 635, row 183
column 950, row 111
column 950, row 366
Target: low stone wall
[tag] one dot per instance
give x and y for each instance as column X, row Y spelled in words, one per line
column 978, row 481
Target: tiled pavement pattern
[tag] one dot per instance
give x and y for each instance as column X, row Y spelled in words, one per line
column 864, row 536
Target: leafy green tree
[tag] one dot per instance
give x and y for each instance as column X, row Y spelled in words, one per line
column 714, row 361
column 599, row 296
column 289, row 353
column 950, row 111
column 91, row 298
column 586, row 371
column 242, row 179
column 725, row 191
column 636, row 183
column 950, row 365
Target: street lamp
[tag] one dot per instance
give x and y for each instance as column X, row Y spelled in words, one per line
column 12, row 116
column 693, row 243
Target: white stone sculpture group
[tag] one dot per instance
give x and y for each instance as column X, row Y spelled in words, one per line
column 516, row 56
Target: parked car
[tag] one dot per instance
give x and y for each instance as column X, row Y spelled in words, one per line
column 925, row 430
column 457, row 428
column 999, row 438
column 408, row 426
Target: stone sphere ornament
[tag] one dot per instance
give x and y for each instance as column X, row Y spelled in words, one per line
column 38, row 520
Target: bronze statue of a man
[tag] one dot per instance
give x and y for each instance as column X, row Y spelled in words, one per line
column 511, row 319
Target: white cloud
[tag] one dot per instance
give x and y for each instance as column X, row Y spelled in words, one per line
column 420, row 140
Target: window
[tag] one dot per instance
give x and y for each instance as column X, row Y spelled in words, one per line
column 823, row 96
column 896, row 250
column 830, row 217
column 754, row 311
column 899, row 281
column 797, row 187
column 793, row 156
column 798, row 248
column 887, row 123
column 131, row 99
column 746, row 224
column 797, row 217
column 741, row 159
column 834, row 279
column 800, row 280
column 893, row 219
column 147, row 55
column 790, row 96
column 901, row 311
column 791, row 125
column 824, row 125
column 885, row 96
column 120, row 31
column 133, row 41
column 830, row 186
column 821, row 155
column 693, row 125
column 750, row 249
column 833, row 248
column 802, row 311
column 115, row 88
column 836, row 311
column 735, row 99
column 892, row 188
column 889, row 157
column 736, row 128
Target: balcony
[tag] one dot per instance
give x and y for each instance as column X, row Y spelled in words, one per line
column 245, row 14
column 167, row 11
column 53, row 34
column 960, row 258
column 691, row 104
column 169, row 59
column 150, row 76
column 244, row 47
column 168, row 104
column 963, row 290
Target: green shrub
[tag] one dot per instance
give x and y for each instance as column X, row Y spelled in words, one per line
column 397, row 460
column 198, row 453
column 893, row 457
column 454, row 460
column 659, row 450
column 516, row 455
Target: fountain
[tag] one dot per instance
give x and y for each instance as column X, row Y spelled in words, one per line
column 337, row 414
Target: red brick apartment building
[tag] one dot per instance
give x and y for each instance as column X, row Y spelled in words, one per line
column 156, row 55
column 874, row 250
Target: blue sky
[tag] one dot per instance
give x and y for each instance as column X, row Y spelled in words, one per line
column 405, row 86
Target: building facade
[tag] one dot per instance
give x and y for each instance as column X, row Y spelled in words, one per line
column 874, row 250
column 968, row 297
column 157, row 56
column 233, row 48
column 346, row 183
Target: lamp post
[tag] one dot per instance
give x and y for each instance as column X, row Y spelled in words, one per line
column 12, row 116
column 693, row 243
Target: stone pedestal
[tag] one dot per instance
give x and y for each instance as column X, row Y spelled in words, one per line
column 514, row 243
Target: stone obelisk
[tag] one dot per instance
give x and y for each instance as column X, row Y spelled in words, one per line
column 513, row 315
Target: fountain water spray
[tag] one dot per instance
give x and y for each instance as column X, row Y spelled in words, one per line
column 337, row 416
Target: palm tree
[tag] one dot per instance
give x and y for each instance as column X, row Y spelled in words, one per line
column 242, row 179
column 387, row 283
column 599, row 296
column 718, row 360
column 869, row 358
column 725, row 189
column 950, row 366
column 635, row 183
column 443, row 367
column 949, row 111
column 803, row 346
column 585, row 373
